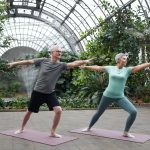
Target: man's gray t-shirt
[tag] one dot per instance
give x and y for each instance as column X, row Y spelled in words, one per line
column 48, row 74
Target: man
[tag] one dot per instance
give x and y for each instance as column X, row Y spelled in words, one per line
column 44, row 89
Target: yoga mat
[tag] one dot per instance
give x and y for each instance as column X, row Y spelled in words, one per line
column 139, row 138
column 39, row 137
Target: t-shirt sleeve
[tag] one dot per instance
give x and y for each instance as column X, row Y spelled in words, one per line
column 64, row 66
column 129, row 70
column 107, row 69
column 37, row 61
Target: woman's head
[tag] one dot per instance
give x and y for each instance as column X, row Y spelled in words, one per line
column 121, row 57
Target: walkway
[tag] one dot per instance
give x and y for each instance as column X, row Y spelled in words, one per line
column 112, row 119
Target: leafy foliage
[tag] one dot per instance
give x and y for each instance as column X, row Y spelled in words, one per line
column 4, row 40
column 8, row 83
column 125, row 32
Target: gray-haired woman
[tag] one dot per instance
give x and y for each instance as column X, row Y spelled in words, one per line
column 114, row 92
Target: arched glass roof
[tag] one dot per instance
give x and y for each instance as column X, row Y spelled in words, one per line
column 42, row 23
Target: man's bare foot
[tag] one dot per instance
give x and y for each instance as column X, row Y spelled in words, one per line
column 56, row 135
column 18, row 131
column 86, row 130
column 126, row 134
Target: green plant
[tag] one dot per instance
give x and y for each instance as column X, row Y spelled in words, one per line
column 8, row 83
column 2, row 104
column 125, row 33
column 19, row 102
column 74, row 102
column 146, row 99
column 4, row 40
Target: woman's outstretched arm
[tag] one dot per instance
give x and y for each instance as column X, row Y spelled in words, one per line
column 140, row 67
column 96, row 68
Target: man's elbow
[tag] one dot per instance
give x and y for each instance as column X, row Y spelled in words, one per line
column 70, row 67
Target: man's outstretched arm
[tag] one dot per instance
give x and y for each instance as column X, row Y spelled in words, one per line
column 23, row 62
column 78, row 63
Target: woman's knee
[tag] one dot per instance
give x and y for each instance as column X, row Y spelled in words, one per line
column 133, row 112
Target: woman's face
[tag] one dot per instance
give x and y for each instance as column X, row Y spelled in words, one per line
column 123, row 60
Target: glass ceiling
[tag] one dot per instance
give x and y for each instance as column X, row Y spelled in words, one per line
column 41, row 23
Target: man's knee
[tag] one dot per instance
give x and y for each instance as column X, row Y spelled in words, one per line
column 57, row 109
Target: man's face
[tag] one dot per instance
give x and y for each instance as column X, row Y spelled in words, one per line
column 57, row 53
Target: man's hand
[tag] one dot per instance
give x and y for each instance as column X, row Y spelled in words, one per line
column 81, row 67
column 10, row 65
column 22, row 62
column 78, row 63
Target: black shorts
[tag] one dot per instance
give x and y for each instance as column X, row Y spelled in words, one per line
column 37, row 99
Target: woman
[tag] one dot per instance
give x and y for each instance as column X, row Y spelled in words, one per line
column 114, row 92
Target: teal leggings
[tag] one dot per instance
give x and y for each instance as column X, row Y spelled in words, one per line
column 123, row 103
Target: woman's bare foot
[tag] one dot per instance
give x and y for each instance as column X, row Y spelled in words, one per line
column 86, row 130
column 55, row 135
column 18, row 131
column 126, row 134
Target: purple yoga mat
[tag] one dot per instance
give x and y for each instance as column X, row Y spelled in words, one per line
column 139, row 138
column 39, row 137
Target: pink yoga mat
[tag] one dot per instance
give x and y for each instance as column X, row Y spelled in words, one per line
column 39, row 137
column 139, row 138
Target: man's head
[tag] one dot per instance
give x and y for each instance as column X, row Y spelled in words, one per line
column 55, row 51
